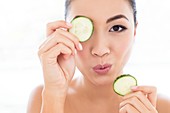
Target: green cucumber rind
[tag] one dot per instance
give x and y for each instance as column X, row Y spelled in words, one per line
column 121, row 76
column 91, row 24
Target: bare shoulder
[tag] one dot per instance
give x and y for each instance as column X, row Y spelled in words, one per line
column 163, row 104
column 35, row 100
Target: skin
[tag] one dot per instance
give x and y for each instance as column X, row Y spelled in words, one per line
column 90, row 92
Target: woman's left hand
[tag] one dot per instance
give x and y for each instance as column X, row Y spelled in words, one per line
column 141, row 100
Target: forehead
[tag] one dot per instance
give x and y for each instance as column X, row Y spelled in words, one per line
column 100, row 9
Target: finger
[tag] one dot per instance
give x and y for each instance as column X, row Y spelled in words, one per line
column 62, row 54
column 48, row 44
column 72, row 38
column 142, row 97
column 136, row 103
column 51, row 56
column 52, row 26
column 151, row 92
column 67, row 66
column 128, row 109
column 60, row 35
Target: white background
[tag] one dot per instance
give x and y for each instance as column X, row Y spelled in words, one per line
column 22, row 29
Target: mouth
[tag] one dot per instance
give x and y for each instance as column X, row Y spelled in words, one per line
column 102, row 69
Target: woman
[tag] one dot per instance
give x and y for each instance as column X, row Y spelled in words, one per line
column 109, row 47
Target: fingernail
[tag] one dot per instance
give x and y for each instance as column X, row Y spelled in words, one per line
column 134, row 87
column 80, row 46
column 69, row 24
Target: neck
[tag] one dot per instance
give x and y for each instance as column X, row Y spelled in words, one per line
column 98, row 92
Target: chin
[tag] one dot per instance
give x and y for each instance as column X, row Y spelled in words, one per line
column 102, row 81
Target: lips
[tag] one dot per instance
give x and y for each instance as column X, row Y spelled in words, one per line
column 102, row 69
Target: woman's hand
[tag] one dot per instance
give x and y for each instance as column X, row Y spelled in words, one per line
column 142, row 100
column 57, row 56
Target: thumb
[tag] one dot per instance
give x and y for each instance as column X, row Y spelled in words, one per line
column 68, row 66
column 150, row 91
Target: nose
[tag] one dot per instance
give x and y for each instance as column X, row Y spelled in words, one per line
column 100, row 47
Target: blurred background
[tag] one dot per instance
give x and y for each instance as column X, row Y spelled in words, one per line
column 22, row 30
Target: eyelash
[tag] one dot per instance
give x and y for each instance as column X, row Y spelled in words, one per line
column 120, row 28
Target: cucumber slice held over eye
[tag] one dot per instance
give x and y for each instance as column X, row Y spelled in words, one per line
column 122, row 85
column 82, row 27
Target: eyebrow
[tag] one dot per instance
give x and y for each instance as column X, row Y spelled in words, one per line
column 116, row 17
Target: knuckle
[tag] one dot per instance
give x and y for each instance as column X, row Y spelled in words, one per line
column 127, row 106
column 48, row 24
column 42, row 56
column 139, row 93
column 154, row 89
column 59, row 45
column 133, row 99
column 121, row 110
column 39, row 53
column 57, row 33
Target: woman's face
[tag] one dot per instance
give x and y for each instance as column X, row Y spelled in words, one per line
column 107, row 51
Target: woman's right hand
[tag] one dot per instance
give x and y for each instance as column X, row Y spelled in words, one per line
column 57, row 56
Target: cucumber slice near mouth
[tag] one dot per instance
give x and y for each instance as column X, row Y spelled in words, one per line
column 122, row 85
column 82, row 27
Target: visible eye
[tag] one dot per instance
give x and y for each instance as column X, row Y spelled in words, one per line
column 117, row 28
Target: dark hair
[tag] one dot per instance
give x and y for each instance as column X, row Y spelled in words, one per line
column 132, row 4
column 67, row 5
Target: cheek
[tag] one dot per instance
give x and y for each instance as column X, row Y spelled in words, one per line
column 82, row 57
column 123, row 47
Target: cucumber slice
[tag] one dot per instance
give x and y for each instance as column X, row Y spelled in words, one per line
column 122, row 85
column 82, row 28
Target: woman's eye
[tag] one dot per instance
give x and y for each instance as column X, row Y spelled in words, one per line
column 117, row 28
